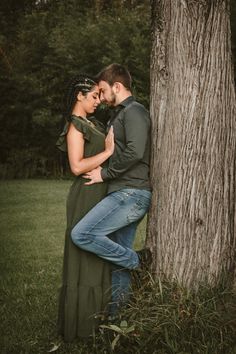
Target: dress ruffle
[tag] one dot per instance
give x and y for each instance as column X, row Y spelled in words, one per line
column 81, row 308
column 80, row 125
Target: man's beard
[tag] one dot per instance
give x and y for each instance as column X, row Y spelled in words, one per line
column 113, row 99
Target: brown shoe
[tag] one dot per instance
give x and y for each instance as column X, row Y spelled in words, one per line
column 145, row 258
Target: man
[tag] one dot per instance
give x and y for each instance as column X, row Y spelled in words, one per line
column 108, row 230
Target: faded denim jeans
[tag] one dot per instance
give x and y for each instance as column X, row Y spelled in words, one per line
column 108, row 230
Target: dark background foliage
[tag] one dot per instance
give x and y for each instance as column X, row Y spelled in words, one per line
column 42, row 44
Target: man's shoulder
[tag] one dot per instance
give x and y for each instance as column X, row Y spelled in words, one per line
column 135, row 105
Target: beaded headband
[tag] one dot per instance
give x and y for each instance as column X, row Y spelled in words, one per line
column 85, row 84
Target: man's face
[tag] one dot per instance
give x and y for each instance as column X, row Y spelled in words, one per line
column 107, row 93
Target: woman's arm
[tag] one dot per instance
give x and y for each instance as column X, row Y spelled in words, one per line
column 75, row 147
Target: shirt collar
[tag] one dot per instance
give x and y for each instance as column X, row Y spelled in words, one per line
column 116, row 110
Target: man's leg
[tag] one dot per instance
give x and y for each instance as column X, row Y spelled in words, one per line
column 115, row 211
column 121, row 276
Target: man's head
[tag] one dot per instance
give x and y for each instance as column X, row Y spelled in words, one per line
column 114, row 84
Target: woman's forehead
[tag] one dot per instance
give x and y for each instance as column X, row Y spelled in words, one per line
column 95, row 89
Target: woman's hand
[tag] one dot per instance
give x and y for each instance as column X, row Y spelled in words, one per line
column 109, row 141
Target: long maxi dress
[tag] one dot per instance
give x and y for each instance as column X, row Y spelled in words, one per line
column 86, row 279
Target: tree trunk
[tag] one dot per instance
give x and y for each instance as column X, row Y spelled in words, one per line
column 191, row 223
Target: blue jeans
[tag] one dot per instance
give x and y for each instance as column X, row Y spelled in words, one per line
column 108, row 230
column 121, row 278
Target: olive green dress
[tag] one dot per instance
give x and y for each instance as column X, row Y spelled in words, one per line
column 86, row 282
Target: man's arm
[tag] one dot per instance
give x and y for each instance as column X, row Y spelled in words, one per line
column 137, row 131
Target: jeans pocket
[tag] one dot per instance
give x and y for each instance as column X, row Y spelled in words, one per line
column 139, row 209
column 122, row 195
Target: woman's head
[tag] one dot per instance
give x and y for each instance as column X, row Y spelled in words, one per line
column 82, row 94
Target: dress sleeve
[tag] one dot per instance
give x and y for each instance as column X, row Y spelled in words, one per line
column 61, row 143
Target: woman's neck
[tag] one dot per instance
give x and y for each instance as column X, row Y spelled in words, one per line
column 79, row 113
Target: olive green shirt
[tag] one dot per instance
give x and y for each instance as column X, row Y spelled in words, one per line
column 128, row 167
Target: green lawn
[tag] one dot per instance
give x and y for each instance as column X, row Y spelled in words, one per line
column 32, row 237
column 162, row 318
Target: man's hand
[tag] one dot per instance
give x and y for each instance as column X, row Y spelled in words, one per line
column 94, row 176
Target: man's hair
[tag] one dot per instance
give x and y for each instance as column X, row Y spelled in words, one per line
column 115, row 73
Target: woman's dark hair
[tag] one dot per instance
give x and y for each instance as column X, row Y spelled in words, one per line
column 81, row 83
column 115, row 73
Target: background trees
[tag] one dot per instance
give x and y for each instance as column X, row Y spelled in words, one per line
column 193, row 108
column 42, row 44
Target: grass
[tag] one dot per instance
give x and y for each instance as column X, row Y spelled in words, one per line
column 32, row 224
column 32, row 239
column 162, row 318
column 170, row 319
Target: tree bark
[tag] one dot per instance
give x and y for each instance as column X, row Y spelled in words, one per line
column 191, row 227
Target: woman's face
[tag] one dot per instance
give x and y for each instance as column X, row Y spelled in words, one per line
column 91, row 100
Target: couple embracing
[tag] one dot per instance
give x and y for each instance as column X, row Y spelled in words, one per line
column 110, row 195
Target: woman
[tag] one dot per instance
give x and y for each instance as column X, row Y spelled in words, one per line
column 85, row 291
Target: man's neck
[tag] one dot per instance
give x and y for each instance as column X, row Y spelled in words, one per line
column 122, row 96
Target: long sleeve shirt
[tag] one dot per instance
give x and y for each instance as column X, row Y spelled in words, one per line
column 128, row 167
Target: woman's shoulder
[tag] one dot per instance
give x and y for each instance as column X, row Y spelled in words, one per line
column 79, row 125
